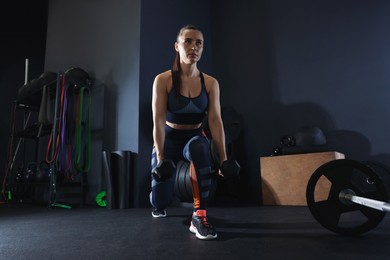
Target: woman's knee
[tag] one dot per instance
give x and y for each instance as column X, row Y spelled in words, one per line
column 196, row 147
column 198, row 152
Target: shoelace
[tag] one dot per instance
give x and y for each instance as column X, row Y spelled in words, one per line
column 203, row 220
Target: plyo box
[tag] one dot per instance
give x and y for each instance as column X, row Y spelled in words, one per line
column 284, row 178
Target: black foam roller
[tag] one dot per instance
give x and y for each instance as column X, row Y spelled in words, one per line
column 121, row 169
column 108, row 178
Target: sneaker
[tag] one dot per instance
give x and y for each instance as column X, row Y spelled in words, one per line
column 159, row 213
column 202, row 228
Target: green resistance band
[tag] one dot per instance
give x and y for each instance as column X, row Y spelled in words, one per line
column 58, row 205
column 78, row 141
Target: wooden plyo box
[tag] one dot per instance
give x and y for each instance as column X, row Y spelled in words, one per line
column 284, row 178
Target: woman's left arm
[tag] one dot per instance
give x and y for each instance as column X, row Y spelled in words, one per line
column 214, row 117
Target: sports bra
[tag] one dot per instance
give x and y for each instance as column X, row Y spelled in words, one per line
column 184, row 110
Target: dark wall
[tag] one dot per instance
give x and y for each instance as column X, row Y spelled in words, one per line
column 287, row 64
column 23, row 36
column 333, row 54
column 111, row 44
column 241, row 65
column 281, row 64
column 101, row 37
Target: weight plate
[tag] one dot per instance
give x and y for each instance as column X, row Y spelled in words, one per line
column 182, row 188
column 381, row 169
column 336, row 216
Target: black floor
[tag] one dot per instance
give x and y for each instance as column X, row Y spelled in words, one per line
column 273, row 232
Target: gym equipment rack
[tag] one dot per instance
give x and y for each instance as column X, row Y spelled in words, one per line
column 30, row 105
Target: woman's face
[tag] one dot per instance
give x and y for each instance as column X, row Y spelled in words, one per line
column 190, row 46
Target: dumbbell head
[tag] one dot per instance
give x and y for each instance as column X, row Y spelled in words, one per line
column 230, row 168
column 164, row 170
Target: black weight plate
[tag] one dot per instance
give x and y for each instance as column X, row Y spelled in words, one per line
column 178, row 179
column 381, row 169
column 336, row 216
column 186, row 184
column 183, row 183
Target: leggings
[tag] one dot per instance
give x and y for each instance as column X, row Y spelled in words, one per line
column 192, row 146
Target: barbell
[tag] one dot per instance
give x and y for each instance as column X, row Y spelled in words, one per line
column 356, row 201
column 348, row 197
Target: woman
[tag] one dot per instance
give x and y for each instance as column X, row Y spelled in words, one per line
column 182, row 98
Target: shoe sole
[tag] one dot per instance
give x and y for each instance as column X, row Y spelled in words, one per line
column 159, row 215
column 194, row 230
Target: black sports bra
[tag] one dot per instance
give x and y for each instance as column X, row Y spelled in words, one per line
column 185, row 110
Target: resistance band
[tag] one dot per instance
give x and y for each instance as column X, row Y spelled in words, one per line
column 58, row 127
column 10, row 159
column 83, row 129
column 64, row 156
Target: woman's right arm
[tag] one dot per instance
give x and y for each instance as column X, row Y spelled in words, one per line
column 159, row 108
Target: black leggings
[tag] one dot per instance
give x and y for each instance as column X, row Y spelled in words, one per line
column 194, row 147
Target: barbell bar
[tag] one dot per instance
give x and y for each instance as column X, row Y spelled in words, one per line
column 348, row 196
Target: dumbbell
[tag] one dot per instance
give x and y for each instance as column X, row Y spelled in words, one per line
column 164, row 170
column 230, row 168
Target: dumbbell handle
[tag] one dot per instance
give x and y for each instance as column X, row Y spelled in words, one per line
column 349, row 196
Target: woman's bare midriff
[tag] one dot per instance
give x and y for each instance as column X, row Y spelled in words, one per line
column 183, row 127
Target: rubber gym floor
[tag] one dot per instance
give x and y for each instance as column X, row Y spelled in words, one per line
column 244, row 232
